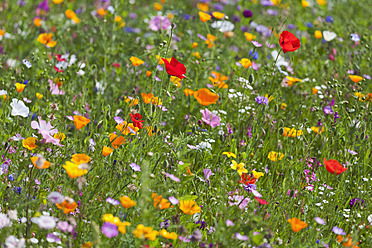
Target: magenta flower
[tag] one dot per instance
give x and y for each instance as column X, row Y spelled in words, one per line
column 109, row 230
column 135, row 167
column 210, row 119
column 159, row 22
column 54, row 90
column 207, row 174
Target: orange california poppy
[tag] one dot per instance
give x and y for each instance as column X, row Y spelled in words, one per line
column 297, row 224
column 206, row 97
column 80, row 121
column 67, row 206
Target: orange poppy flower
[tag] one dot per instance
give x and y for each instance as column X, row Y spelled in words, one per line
column 80, row 158
column 356, row 78
column 46, row 39
column 40, row 163
column 188, row 92
column 159, row 201
column 204, row 16
column 67, row 206
column 297, row 224
column 115, row 140
column 101, row 11
column 206, row 97
column 210, row 40
column 127, row 128
column 37, row 22
column 189, row 207
column 80, row 121
column 218, row 15
column 147, row 97
column 126, row 202
column 136, row 61
column 20, row 87
column 106, row 151
column 29, row 143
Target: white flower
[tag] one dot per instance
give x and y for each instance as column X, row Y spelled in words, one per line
column 4, row 221
column 223, row 26
column 12, row 214
column 19, row 108
column 55, row 197
column 13, row 242
column 45, row 222
column 3, row 92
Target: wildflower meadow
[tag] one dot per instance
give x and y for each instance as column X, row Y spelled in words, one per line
column 195, row 123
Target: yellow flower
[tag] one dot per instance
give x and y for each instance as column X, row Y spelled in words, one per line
column 305, row 4
column 249, row 36
column 292, row 80
column 317, row 129
column 229, row 154
column 219, row 80
column 142, row 232
column 80, row 158
column 121, row 227
column 136, row 61
column 210, row 40
column 204, row 16
column 218, row 15
column 39, row 96
column 126, row 202
column 132, row 102
column 87, row 245
column 318, row 34
column 245, row 62
column 276, row 2
column 71, row 15
column 194, row 45
column 20, row 87
column 29, row 143
column 203, row 7
column 116, row 221
column 176, row 81
column 292, row 132
column 57, row 1
column 2, row 32
column 189, row 207
column 297, row 224
column 321, row 2
column 196, row 54
column 118, row 19
column 283, row 105
column 356, row 78
column 168, row 235
column 60, row 136
column 73, row 170
column 257, row 175
column 238, row 167
column 269, row 97
column 274, row 156
column 46, row 39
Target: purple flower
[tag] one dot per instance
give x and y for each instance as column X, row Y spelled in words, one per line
column 328, row 110
column 262, row 100
column 207, row 174
column 320, row 221
column 173, row 177
column 338, row 230
column 356, row 202
column 210, row 119
column 159, row 22
column 272, row 12
column 51, row 238
column 135, row 167
column 256, row 43
column 352, row 152
column 44, row 5
column 247, row 13
column 112, row 201
column 241, row 237
column 110, row 230
column 64, row 226
column 229, row 223
column 336, row 116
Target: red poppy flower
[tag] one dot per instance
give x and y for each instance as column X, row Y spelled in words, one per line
column 59, row 58
column 261, row 201
column 175, row 68
column 117, row 65
column 289, row 42
column 57, row 69
column 333, row 166
column 136, row 118
column 247, row 179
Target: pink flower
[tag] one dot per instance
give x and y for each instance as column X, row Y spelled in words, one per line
column 54, row 90
column 46, row 130
column 210, row 119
